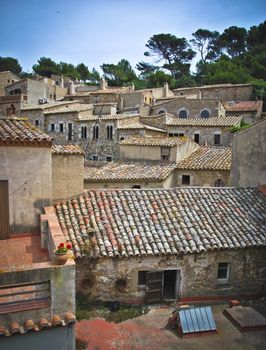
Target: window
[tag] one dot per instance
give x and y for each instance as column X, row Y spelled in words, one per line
column 142, row 278
column 61, row 127
column 165, row 153
column 109, row 130
column 196, row 138
column 70, row 130
column 161, row 111
column 223, row 271
column 217, row 139
column 183, row 114
column 52, row 127
column 219, row 183
column 145, row 99
column 136, row 187
column 94, row 157
column 83, row 132
column 108, row 158
column 95, row 132
column 37, row 122
column 122, row 138
column 181, row 134
column 205, row 114
column 185, row 179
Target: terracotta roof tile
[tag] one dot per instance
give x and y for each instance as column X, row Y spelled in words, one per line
column 163, row 221
column 67, row 149
column 213, row 158
column 213, row 121
column 153, row 141
column 29, row 325
column 20, row 132
column 71, row 108
column 242, row 106
column 139, row 126
column 129, row 170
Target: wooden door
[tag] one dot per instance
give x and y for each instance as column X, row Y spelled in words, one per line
column 4, row 210
column 154, row 285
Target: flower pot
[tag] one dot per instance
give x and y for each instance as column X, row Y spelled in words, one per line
column 60, row 258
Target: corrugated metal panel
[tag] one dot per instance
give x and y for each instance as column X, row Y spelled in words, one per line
column 198, row 319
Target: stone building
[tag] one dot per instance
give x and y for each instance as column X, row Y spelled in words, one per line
column 12, row 105
column 7, row 78
column 206, row 166
column 37, row 91
column 249, row 156
column 209, row 131
column 153, row 245
column 25, row 175
column 67, row 171
column 223, row 92
column 250, row 111
column 187, row 108
column 156, row 148
column 131, row 174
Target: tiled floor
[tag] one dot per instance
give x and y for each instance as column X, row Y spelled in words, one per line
column 22, row 250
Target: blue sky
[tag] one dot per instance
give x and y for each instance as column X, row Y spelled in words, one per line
column 104, row 31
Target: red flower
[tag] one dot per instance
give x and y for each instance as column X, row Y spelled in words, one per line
column 61, row 245
column 69, row 246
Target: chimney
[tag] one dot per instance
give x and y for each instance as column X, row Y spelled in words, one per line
column 166, row 89
column 103, row 84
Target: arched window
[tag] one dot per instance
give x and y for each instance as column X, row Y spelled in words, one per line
column 205, row 114
column 109, row 130
column 219, row 183
column 95, row 132
column 161, row 111
column 183, row 114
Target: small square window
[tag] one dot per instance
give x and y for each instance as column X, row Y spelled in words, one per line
column 217, row 139
column 95, row 158
column 109, row 159
column 223, row 271
column 142, row 278
column 185, row 179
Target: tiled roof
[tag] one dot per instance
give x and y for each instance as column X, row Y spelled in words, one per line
column 213, row 158
column 139, row 126
column 211, row 86
column 242, row 106
column 72, row 108
column 153, row 141
column 129, row 170
column 20, row 132
column 107, row 117
column 163, row 221
column 67, row 149
column 32, row 326
column 214, row 121
column 47, row 105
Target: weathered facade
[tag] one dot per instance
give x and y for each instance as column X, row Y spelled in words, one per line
column 7, row 78
column 224, row 92
column 67, row 171
column 195, row 242
column 250, row 111
column 25, row 158
column 12, row 105
column 249, row 156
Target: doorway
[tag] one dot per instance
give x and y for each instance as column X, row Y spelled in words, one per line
column 171, row 284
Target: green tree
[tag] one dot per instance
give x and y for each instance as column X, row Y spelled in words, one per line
column 46, row 67
column 233, row 41
column 11, row 64
column 205, row 42
column 118, row 74
column 158, row 79
column 146, row 68
column 68, row 70
column 83, row 72
column 175, row 53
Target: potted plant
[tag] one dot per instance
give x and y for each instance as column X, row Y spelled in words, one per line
column 61, row 253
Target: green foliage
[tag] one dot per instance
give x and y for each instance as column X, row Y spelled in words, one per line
column 119, row 74
column 233, row 41
column 11, row 64
column 46, row 67
column 206, row 43
column 242, row 126
column 158, row 79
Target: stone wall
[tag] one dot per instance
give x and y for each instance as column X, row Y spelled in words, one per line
column 7, row 78
column 247, row 276
column 11, row 105
column 193, row 107
column 29, row 174
column 202, row 177
column 206, row 134
column 249, row 156
column 67, row 175
column 158, row 121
